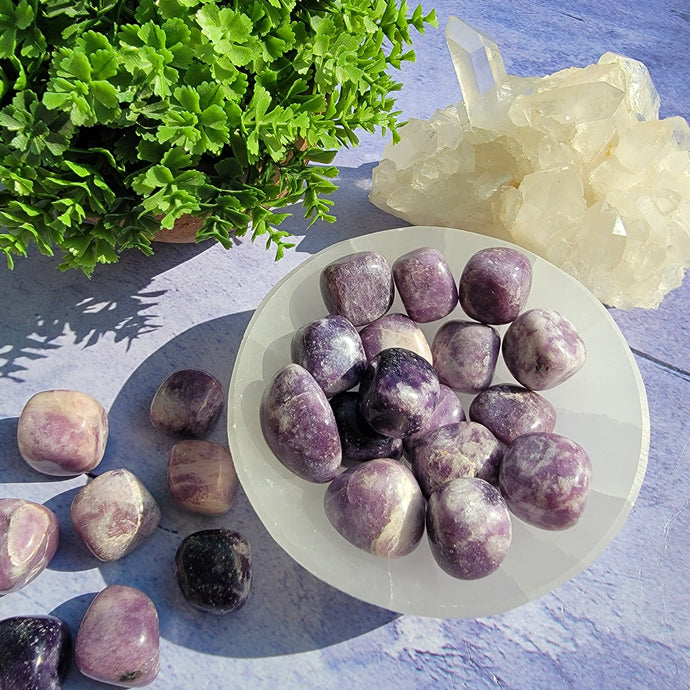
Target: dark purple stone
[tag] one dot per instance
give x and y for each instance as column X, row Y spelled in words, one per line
column 425, row 284
column 358, row 440
column 399, row 392
column 214, row 570
column 35, row 653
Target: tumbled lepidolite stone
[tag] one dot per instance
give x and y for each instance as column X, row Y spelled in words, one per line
column 331, row 350
column 358, row 286
column 35, row 653
column 495, row 284
column 62, row 432
column 187, row 403
column 298, row 425
column 394, row 330
column 214, row 570
column 114, row 514
column 202, row 477
column 425, row 284
column 29, row 537
column 118, row 640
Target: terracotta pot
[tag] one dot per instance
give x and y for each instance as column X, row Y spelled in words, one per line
column 184, row 231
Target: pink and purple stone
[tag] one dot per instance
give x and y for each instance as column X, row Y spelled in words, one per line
column 118, row 640
column 62, row 432
column 29, row 537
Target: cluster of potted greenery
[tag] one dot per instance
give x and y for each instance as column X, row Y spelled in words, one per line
column 118, row 118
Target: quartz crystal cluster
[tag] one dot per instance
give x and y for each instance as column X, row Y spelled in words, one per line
column 575, row 166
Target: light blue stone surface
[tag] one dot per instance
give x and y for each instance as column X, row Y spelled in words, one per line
column 624, row 622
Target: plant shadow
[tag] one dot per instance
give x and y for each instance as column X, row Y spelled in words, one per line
column 289, row 610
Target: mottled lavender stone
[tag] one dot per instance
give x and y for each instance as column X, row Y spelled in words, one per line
column 542, row 349
column 298, row 425
column 202, row 477
column 545, row 479
column 214, row 570
column 469, row 528
column 35, row 653
column 114, row 514
column 29, row 537
column 398, row 392
column 378, row 507
column 425, row 284
column 509, row 411
column 118, row 640
column 448, row 411
column 358, row 286
column 62, row 432
column 465, row 355
column 358, row 440
column 187, row 403
column 331, row 350
column 495, row 284
column 464, row 449
column 394, row 330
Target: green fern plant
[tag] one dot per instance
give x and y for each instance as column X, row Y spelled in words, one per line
column 117, row 117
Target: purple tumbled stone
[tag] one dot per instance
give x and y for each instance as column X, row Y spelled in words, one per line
column 202, row 477
column 398, row 393
column 114, row 514
column 118, row 640
column 35, row 653
column 509, row 411
column 358, row 440
column 394, row 330
column 62, row 432
column 187, row 403
column 469, row 528
column 542, row 349
column 358, row 286
column 464, row 449
column 425, row 284
column 465, row 355
column 298, row 425
column 495, row 284
column 330, row 349
column 214, row 570
column 29, row 537
column 448, row 411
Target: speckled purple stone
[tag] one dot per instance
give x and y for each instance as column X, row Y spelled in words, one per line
column 118, row 639
column 377, row 506
column 465, row 355
column 469, row 528
column 425, row 284
column 35, row 653
column 187, row 403
column 358, row 440
column 542, row 349
column 545, row 479
column 399, row 392
column 449, row 410
column 358, row 286
column 298, row 425
column 394, row 330
column 463, row 449
column 331, row 350
column 62, row 432
column 114, row 514
column 29, row 537
column 495, row 284
column 509, row 411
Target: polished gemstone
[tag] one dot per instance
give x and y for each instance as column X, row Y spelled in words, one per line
column 29, row 537
column 114, row 514
column 118, row 639
column 35, row 653
column 62, row 432
column 394, row 330
column 202, row 477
